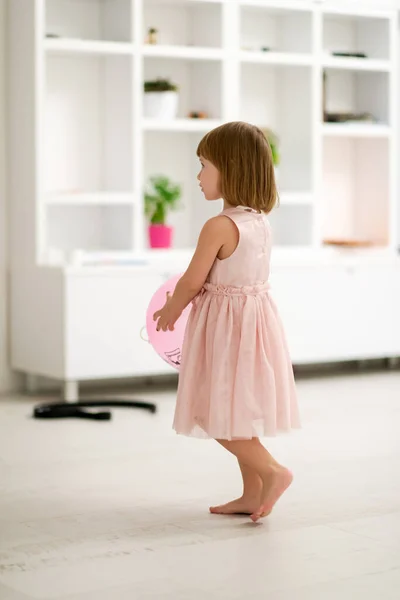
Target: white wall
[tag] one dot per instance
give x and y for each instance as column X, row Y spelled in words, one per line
column 7, row 380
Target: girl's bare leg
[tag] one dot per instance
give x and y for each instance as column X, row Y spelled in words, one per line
column 275, row 479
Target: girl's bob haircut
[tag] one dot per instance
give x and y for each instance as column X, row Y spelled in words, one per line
column 243, row 157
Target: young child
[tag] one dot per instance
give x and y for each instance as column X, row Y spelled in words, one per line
column 236, row 380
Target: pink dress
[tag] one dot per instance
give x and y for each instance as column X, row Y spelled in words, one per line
column 236, row 378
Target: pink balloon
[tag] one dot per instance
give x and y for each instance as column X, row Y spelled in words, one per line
column 168, row 344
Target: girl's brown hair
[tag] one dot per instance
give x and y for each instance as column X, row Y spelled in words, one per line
column 243, row 157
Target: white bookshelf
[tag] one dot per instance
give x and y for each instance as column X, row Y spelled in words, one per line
column 259, row 61
column 77, row 69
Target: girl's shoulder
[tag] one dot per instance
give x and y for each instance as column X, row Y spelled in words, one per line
column 222, row 226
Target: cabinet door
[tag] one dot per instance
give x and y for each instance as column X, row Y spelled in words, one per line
column 104, row 317
column 336, row 313
column 317, row 308
column 377, row 312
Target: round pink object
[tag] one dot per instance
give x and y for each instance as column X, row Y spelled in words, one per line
column 168, row 344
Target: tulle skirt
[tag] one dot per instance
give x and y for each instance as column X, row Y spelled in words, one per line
column 236, row 379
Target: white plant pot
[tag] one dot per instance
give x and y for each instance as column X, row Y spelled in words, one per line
column 161, row 105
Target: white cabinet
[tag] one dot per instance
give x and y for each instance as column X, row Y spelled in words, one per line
column 105, row 314
column 78, row 326
column 81, row 326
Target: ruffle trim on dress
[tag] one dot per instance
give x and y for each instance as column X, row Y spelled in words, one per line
column 230, row 290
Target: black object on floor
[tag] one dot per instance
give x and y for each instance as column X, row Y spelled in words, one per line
column 65, row 410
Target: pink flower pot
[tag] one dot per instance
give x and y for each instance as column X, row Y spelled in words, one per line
column 160, row 236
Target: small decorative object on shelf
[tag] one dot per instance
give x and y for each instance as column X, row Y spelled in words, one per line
column 256, row 48
column 198, row 115
column 349, row 118
column 349, row 54
column 160, row 99
column 161, row 196
column 152, row 36
column 343, row 243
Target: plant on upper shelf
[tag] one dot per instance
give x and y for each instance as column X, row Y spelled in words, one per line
column 160, row 85
column 161, row 99
column 274, row 145
column 161, row 197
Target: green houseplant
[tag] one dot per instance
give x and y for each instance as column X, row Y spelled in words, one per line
column 160, row 85
column 161, row 196
column 274, row 145
column 160, row 99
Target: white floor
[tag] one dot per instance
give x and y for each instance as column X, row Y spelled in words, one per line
column 118, row 510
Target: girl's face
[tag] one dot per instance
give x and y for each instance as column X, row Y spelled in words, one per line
column 209, row 180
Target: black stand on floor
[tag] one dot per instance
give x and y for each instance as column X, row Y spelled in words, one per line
column 65, row 410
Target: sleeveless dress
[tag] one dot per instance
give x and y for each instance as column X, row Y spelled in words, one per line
column 236, row 378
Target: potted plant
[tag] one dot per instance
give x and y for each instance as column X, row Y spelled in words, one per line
column 274, row 145
column 161, row 196
column 160, row 99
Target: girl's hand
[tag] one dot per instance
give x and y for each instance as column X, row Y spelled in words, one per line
column 167, row 316
column 217, row 232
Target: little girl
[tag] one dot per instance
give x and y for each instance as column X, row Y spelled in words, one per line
column 236, row 380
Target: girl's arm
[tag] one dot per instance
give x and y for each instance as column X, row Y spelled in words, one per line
column 215, row 233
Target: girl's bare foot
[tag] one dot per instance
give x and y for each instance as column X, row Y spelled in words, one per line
column 250, row 499
column 258, row 466
column 275, row 483
column 241, row 506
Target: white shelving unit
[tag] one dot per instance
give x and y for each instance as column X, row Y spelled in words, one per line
column 81, row 152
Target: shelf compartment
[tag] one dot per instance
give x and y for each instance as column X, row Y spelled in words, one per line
column 355, row 194
column 185, row 24
column 358, row 92
column 266, row 100
column 101, row 20
column 88, row 124
column 357, row 34
column 277, row 29
column 199, row 83
column 181, row 166
column 88, row 228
